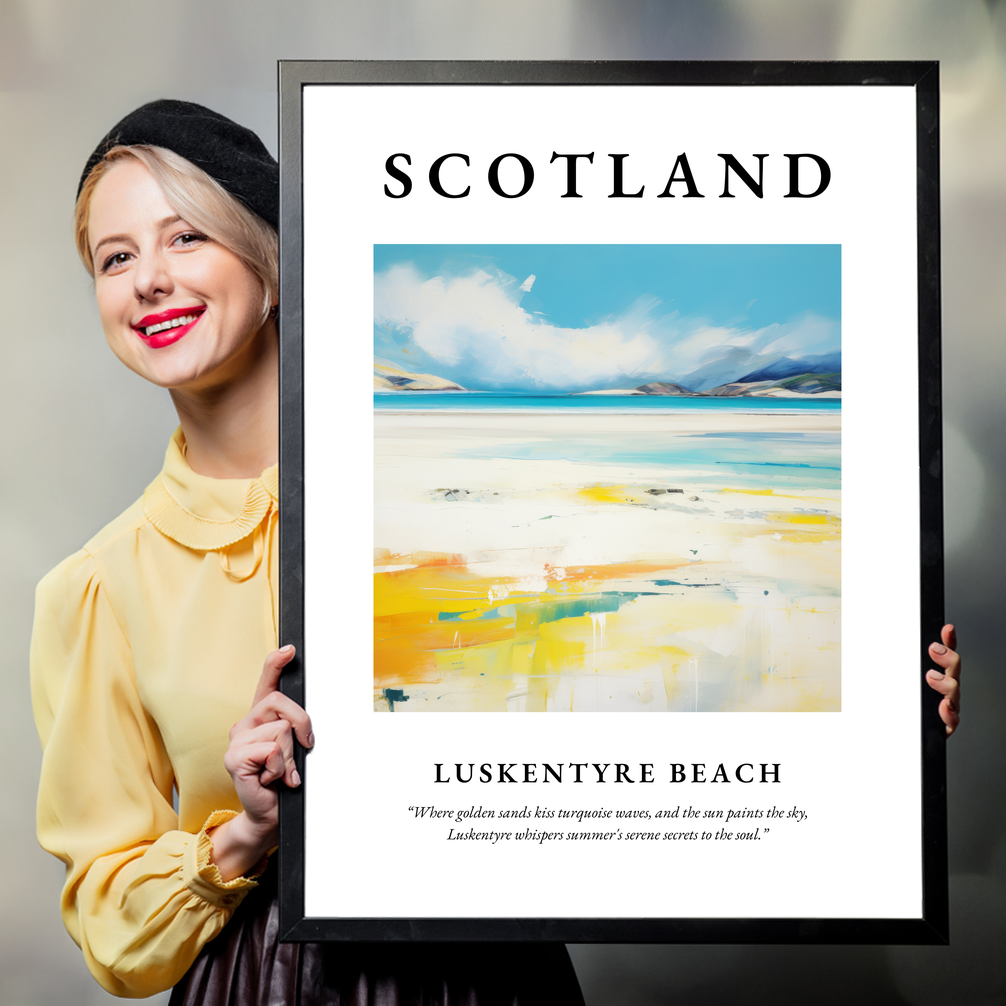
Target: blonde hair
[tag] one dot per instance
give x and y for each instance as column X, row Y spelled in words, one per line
column 199, row 200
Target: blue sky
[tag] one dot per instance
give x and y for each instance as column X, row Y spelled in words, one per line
column 584, row 317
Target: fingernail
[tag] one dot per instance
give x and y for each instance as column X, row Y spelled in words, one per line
column 310, row 740
column 287, row 649
column 936, row 675
column 295, row 777
column 951, row 706
column 938, row 648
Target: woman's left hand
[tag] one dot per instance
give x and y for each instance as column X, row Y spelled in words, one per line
column 948, row 681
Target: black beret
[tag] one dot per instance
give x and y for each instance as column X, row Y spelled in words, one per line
column 231, row 154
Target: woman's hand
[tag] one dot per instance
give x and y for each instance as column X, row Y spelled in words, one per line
column 948, row 681
column 260, row 753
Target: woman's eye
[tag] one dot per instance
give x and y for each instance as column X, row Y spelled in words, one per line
column 190, row 238
column 114, row 261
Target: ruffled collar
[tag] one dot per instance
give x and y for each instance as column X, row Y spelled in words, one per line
column 203, row 513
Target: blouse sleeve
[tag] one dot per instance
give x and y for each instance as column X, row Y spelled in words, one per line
column 141, row 898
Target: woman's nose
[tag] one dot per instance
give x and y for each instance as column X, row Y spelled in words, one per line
column 152, row 277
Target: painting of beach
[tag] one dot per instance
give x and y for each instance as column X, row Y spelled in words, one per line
column 607, row 478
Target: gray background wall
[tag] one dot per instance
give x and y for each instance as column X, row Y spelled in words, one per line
column 82, row 436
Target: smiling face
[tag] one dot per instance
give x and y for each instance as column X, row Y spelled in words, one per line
column 177, row 307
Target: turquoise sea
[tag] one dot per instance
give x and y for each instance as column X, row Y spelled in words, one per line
column 493, row 401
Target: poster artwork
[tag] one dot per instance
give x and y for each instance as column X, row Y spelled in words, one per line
column 607, row 478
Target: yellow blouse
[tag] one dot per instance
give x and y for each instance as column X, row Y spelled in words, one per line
column 147, row 647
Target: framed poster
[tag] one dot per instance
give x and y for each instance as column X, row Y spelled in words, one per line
column 611, row 501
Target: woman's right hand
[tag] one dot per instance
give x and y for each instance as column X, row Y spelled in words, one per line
column 260, row 753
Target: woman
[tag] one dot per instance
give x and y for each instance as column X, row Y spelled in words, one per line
column 148, row 643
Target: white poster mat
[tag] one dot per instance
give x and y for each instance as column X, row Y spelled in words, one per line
column 856, row 773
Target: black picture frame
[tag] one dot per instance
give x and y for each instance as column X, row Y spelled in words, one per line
column 932, row 925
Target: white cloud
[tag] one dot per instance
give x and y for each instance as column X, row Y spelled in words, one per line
column 474, row 324
column 803, row 336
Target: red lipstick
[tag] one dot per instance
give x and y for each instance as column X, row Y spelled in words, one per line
column 166, row 327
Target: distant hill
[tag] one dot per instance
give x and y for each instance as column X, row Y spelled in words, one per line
column 812, row 384
column 668, row 388
column 787, row 377
column 826, row 363
column 389, row 378
column 796, row 386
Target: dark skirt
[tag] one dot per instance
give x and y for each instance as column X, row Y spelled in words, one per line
column 246, row 965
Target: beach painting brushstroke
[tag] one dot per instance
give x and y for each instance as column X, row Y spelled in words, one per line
column 607, row 478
